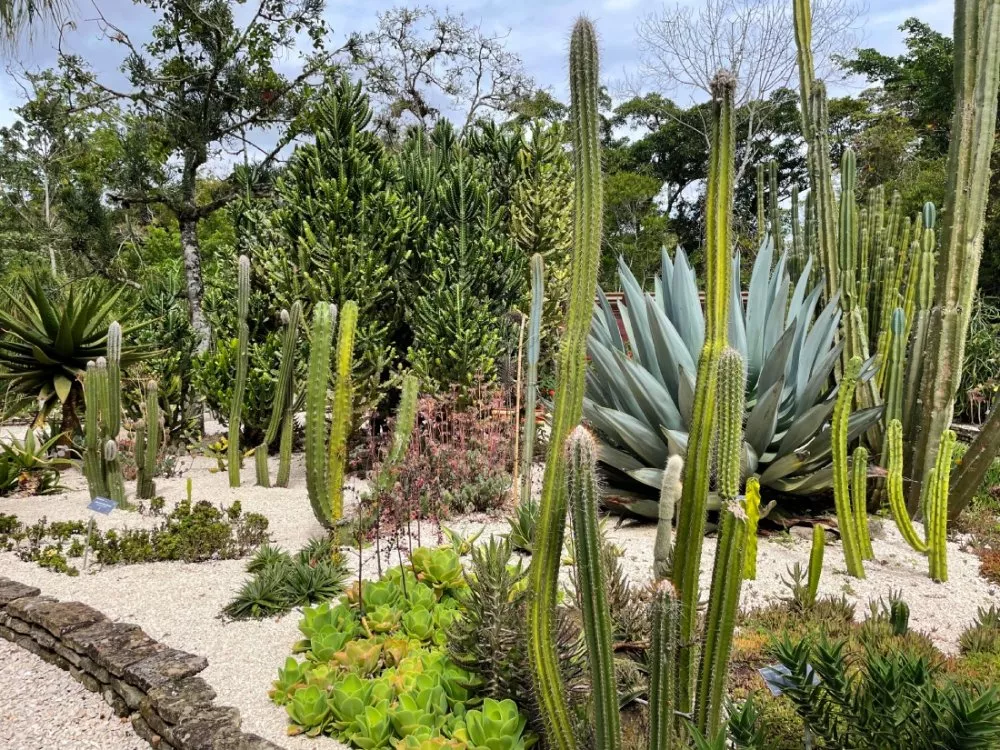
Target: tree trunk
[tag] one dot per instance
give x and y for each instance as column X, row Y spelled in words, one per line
column 70, row 423
column 967, row 477
column 193, row 282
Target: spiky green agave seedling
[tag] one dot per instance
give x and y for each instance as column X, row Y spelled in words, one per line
column 720, row 620
column 316, row 389
column 664, row 641
column 581, row 487
column 531, row 383
column 752, row 505
column 568, row 407
column 242, row 358
column 283, row 395
column 815, row 563
column 859, row 501
column 936, row 509
column 343, row 408
column 841, row 486
column 670, row 495
column 148, row 447
column 697, row 466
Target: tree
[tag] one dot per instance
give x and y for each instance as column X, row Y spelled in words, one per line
column 682, row 48
column 205, row 87
column 419, row 62
column 21, row 17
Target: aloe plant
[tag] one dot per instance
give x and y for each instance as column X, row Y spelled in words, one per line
column 640, row 392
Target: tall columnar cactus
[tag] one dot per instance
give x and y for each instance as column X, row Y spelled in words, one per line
column 113, row 413
column 581, row 487
column 316, row 389
column 841, row 487
column 242, row 358
column 720, row 620
column 670, row 495
column 568, row 407
column 731, row 400
column 797, row 256
column 936, row 509
column 774, row 217
column 664, row 642
column 343, row 408
column 147, row 444
column 859, row 496
column 697, row 467
column 102, row 396
column 918, row 310
column 531, row 384
column 752, row 506
column 894, row 480
column 977, row 78
column 93, row 454
column 761, row 210
column 815, row 563
column 283, row 401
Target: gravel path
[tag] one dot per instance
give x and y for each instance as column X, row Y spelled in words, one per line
column 42, row 707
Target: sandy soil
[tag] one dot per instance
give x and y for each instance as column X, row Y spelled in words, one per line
column 180, row 603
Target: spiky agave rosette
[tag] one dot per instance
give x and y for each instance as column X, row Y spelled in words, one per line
column 640, row 387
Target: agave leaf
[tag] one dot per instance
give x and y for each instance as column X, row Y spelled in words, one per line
column 684, row 303
column 816, row 384
column 801, row 289
column 620, row 460
column 654, row 400
column 776, row 361
column 635, row 301
column 806, row 426
column 671, row 352
column 763, row 418
column 685, row 394
column 610, row 322
column 757, row 305
column 677, row 441
column 775, row 325
column 817, row 480
column 737, row 326
column 802, row 320
column 63, row 386
column 636, row 435
column 605, row 363
column 649, row 477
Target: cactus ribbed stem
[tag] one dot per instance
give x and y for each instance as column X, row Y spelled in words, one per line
column 720, row 620
column 146, row 458
column 697, row 467
column 285, row 447
column 235, row 456
column 531, row 384
column 774, row 218
column 114, row 358
column 406, row 415
column 752, row 505
column 937, row 509
column 670, row 495
column 918, row 318
column 581, row 487
column 731, row 400
column 343, row 408
column 841, row 486
column 815, row 563
column 316, row 390
column 899, row 617
column 859, row 497
column 897, row 503
column 568, row 406
column 93, row 456
column 283, row 391
column 664, row 642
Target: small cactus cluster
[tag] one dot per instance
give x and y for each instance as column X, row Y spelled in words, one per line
column 147, row 444
column 326, row 459
column 282, row 405
column 102, row 422
column 235, row 456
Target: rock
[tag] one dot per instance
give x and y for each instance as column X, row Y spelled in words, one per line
column 11, row 590
column 216, row 728
column 176, row 700
column 59, row 618
column 168, row 664
column 124, row 646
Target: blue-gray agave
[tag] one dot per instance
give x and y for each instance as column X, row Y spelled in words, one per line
column 640, row 388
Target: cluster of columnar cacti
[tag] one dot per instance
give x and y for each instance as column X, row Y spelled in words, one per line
column 934, row 505
column 326, row 459
column 235, row 456
column 147, row 444
column 568, row 406
column 531, row 382
column 282, row 405
column 848, row 520
column 102, row 422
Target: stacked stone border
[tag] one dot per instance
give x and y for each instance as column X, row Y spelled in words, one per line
column 156, row 686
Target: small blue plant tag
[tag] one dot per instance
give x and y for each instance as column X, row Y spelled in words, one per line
column 103, row 505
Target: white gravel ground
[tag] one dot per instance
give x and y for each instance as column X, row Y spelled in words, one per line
column 179, row 603
column 42, row 707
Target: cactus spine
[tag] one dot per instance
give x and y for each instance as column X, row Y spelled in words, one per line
column 841, row 488
column 343, row 414
column 815, row 564
column 670, row 495
column 752, row 506
column 859, row 498
column 568, row 407
column 897, row 503
column 531, row 385
column 284, row 395
column 239, row 388
column 697, row 467
column 147, row 444
column 581, row 487
column 936, row 509
column 664, row 641
column 731, row 400
column 316, row 388
column 977, row 77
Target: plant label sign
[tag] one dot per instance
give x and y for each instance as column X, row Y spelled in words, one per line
column 102, row 505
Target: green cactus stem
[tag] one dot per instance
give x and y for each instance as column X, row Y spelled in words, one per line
column 761, row 212
column 841, row 487
column 894, row 480
column 93, row 458
column 859, row 496
column 752, row 506
column 568, row 406
column 406, row 417
column 899, row 617
column 936, row 509
column 774, row 218
column 343, row 409
column 316, row 390
column 239, row 388
column 697, row 466
column 977, row 78
column 531, row 383
column 670, row 495
column 283, row 402
column 731, row 400
column 664, row 642
column 815, row 563
column 581, row 487
column 285, row 447
column 720, row 620
column 114, row 407
column 147, row 454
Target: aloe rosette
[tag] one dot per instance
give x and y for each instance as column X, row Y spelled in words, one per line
column 640, row 386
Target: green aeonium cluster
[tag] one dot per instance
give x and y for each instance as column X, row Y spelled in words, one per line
column 376, row 672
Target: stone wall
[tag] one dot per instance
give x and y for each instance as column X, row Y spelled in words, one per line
column 157, row 686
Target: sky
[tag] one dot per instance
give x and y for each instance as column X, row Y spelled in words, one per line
column 539, row 32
